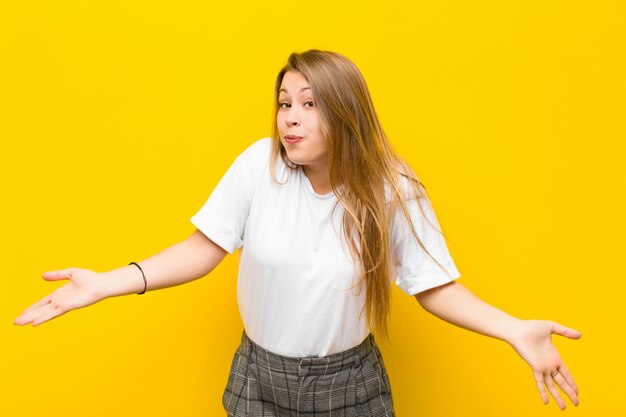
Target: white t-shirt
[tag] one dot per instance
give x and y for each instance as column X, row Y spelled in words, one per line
column 295, row 276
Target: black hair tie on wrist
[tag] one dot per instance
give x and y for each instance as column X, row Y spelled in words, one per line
column 144, row 278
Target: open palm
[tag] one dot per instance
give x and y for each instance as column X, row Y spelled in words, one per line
column 534, row 344
column 80, row 291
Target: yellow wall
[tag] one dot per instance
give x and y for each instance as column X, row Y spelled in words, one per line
column 118, row 118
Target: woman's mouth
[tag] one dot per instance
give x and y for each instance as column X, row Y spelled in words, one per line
column 291, row 139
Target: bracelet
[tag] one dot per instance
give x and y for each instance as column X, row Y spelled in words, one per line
column 144, row 278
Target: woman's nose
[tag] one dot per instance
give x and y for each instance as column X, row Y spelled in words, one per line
column 292, row 118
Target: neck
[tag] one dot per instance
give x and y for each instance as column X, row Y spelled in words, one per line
column 319, row 178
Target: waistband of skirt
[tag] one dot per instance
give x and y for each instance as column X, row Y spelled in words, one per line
column 310, row 365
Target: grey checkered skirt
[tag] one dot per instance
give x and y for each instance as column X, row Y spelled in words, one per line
column 352, row 383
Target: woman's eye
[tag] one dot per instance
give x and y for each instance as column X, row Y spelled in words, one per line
column 285, row 105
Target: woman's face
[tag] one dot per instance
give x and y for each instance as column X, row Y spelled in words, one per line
column 299, row 122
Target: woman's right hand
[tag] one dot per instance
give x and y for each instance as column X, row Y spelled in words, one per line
column 82, row 290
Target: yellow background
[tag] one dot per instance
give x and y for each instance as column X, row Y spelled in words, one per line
column 118, row 118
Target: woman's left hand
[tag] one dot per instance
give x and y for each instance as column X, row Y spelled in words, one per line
column 532, row 341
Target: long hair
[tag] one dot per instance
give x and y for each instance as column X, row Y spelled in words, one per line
column 369, row 178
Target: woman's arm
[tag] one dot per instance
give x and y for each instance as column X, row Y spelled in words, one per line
column 186, row 261
column 183, row 262
column 455, row 304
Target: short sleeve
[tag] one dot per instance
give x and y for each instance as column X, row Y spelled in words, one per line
column 416, row 271
column 223, row 217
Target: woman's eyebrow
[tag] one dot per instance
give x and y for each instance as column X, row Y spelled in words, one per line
column 301, row 90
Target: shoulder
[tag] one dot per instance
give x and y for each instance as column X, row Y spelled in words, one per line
column 259, row 150
column 408, row 187
column 255, row 158
column 252, row 165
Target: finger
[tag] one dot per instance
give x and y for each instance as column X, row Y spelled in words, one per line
column 555, row 393
column 38, row 304
column 565, row 373
column 46, row 315
column 566, row 331
column 31, row 315
column 57, row 275
column 562, row 383
column 28, row 314
column 541, row 387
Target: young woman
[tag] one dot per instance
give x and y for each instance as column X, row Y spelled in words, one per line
column 327, row 215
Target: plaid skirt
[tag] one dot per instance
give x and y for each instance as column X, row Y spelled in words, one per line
column 352, row 383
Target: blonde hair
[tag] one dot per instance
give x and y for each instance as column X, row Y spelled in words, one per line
column 364, row 170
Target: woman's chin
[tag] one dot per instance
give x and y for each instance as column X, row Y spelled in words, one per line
column 296, row 159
